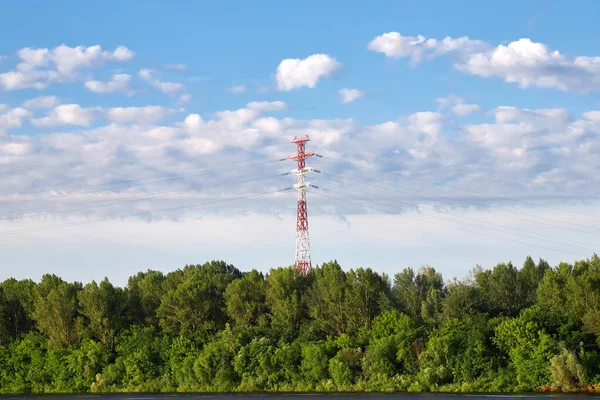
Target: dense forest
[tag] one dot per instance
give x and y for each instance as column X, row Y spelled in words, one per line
column 214, row 328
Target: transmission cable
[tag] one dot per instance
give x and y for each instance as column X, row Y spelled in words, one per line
column 142, row 197
column 466, row 190
column 552, row 240
column 434, row 223
column 448, row 202
column 136, row 182
column 70, row 224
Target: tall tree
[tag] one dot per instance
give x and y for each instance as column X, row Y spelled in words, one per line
column 144, row 293
column 286, row 301
column 367, row 295
column 19, row 303
column 196, row 307
column 246, row 299
column 104, row 306
column 56, row 311
column 326, row 299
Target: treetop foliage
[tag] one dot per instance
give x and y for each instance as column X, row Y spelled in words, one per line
column 211, row 327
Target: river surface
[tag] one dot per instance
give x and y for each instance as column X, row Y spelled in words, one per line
column 308, row 396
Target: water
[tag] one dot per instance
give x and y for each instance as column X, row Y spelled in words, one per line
column 307, row 396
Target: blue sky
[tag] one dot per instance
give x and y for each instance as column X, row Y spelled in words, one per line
column 505, row 106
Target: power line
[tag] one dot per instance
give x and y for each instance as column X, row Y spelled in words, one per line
column 470, row 191
column 448, row 202
column 134, row 198
column 479, row 204
column 496, row 179
column 556, row 240
column 70, row 224
column 436, row 223
column 140, row 182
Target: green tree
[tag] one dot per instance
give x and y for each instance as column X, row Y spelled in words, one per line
column 567, row 372
column 104, row 307
column 367, row 295
column 144, row 293
column 246, row 299
column 196, row 307
column 19, row 304
column 56, row 312
column 326, row 299
column 286, row 301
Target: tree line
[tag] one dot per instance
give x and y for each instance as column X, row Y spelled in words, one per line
column 213, row 328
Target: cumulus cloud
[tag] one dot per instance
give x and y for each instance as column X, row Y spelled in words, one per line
column 463, row 110
column 176, row 67
column 266, row 105
column 11, row 118
column 139, row 115
column 119, row 83
column 67, row 114
column 40, row 67
column 393, row 44
column 41, row 102
column 458, row 106
column 293, row 73
column 528, row 63
column 169, row 88
column 524, row 62
column 173, row 89
column 349, row 95
column 531, row 148
column 237, row 89
column 75, row 115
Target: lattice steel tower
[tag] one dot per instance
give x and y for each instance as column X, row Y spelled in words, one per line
column 302, row 262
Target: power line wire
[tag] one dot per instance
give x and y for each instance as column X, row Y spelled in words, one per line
column 144, row 196
column 553, row 240
column 140, row 182
column 436, row 223
column 470, row 191
column 447, row 202
column 69, row 224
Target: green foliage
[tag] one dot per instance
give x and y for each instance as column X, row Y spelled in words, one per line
column 245, row 299
column 196, row 307
column 567, row 372
column 211, row 328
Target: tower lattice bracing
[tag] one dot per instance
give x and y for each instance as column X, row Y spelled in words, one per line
column 302, row 262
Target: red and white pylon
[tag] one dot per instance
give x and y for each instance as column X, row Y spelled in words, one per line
column 303, row 262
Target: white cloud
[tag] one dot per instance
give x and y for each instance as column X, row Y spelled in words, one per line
column 349, row 95
column 463, row 110
column 184, row 98
column 12, row 118
column 140, row 115
column 237, row 89
column 119, row 83
column 261, row 106
column 38, row 68
column 592, row 115
column 393, row 44
column 169, row 88
column 67, row 114
column 75, row 115
column 172, row 89
column 294, row 73
column 41, row 102
column 458, row 106
column 68, row 59
column 524, row 62
column 176, row 67
column 268, row 124
column 531, row 148
column 528, row 63
column 15, row 149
